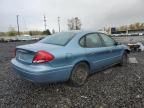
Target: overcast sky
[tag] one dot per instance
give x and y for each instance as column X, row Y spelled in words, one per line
column 94, row 14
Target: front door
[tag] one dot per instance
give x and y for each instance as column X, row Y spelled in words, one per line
column 96, row 53
column 115, row 50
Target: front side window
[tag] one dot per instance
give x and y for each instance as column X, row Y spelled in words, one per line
column 59, row 38
column 93, row 41
column 107, row 40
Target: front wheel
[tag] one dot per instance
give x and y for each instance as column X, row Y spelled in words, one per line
column 79, row 74
column 124, row 59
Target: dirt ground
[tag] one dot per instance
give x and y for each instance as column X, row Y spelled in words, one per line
column 116, row 87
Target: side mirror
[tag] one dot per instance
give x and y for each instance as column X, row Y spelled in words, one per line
column 117, row 43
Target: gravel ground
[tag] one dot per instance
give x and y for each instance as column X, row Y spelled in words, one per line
column 116, row 87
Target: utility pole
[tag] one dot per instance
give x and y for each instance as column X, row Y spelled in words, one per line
column 18, row 24
column 45, row 22
column 59, row 23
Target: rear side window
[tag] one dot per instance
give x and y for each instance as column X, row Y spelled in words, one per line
column 91, row 41
column 107, row 40
column 58, row 38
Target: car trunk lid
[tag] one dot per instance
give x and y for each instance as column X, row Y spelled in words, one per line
column 26, row 53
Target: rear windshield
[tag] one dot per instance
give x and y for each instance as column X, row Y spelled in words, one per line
column 58, row 38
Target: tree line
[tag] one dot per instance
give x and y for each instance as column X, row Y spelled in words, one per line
column 33, row 32
column 135, row 26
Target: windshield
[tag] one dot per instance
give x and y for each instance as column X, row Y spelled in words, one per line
column 58, row 38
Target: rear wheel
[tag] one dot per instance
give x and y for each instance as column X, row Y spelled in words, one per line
column 79, row 74
column 124, row 59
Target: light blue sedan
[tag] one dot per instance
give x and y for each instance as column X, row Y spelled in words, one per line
column 68, row 56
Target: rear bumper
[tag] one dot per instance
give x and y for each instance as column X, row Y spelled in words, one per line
column 41, row 73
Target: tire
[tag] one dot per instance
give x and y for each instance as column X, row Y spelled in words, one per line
column 79, row 74
column 124, row 60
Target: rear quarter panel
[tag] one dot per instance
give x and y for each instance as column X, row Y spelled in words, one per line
column 69, row 55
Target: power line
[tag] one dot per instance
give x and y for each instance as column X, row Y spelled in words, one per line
column 45, row 25
column 59, row 23
column 17, row 16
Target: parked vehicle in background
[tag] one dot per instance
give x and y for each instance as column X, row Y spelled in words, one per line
column 68, row 56
column 24, row 37
column 140, row 34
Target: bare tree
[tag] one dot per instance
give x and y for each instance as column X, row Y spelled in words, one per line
column 74, row 23
column 122, row 28
column 136, row 26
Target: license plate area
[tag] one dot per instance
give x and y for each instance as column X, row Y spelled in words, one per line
column 24, row 56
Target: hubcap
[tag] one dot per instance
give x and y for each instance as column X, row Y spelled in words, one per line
column 80, row 74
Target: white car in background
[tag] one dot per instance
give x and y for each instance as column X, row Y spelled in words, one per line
column 24, row 37
column 140, row 34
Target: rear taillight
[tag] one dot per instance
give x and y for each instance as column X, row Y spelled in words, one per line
column 42, row 57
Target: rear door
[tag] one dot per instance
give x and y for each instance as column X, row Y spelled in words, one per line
column 115, row 50
column 96, row 53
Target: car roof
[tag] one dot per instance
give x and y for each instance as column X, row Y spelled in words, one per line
column 80, row 31
column 77, row 32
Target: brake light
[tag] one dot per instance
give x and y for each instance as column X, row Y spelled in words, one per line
column 42, row 57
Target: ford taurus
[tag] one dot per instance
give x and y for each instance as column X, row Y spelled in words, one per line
column 68, row 56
